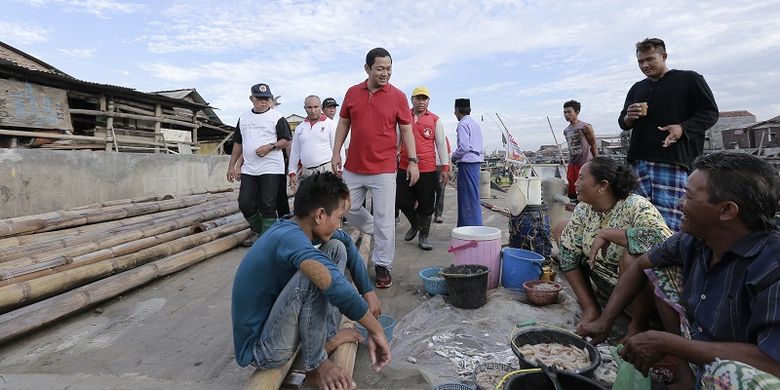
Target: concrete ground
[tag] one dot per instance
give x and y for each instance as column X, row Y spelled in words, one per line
column 175, row 333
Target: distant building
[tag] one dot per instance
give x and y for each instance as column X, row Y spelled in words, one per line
column 610, row 145
column 727, row 120
column 550, row 153
column 759, row 135
column 294, row 120
column 209, row 142
column 41, row 106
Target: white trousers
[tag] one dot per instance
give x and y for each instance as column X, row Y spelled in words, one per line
column 382, row 224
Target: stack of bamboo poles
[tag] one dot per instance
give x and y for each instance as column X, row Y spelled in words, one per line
column 343, row 356
column 57, row 263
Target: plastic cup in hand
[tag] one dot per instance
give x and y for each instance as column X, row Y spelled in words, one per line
column 643, row 106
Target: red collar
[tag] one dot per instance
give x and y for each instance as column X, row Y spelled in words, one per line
column 384, row 88
column 321, row 119
column 424, row 113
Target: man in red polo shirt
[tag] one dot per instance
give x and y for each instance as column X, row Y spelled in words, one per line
column 371, row 111
column 429, row 137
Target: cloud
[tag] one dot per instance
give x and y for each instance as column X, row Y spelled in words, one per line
column 22, row 33
column 520, row 59
column 492, row 88
column 100, row 8
column 78, row 53
column 172, row 72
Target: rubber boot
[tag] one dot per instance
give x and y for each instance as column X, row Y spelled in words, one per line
column 256, row 224
column 409, row 236
column 425, row 229
column 267, row 223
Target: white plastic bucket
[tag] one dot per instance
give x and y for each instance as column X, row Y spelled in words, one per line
column 531, row 187
column 478, row 245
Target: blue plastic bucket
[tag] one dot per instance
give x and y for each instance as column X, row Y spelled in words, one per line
column 433, row 283
column 519, row 266
column 388, row 324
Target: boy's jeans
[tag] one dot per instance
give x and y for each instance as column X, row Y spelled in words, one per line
column 301, row 315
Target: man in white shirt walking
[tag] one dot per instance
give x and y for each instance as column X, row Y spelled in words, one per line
column 312, row 144
column 260, row 136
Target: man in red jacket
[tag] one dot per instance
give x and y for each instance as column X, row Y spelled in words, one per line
column 428, row 138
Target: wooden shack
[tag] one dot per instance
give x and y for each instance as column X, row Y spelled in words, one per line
column 41, row 106
column 759, row 135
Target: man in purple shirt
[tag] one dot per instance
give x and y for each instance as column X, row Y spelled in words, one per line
column 717, row 281
column 468, row 157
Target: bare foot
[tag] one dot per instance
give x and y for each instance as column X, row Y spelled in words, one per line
column 329, row 376
column 588, row 315
column 343, row 336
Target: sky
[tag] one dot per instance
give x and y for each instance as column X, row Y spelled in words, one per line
column 519, row 59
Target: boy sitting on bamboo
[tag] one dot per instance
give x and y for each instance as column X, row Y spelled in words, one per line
column 288, row 293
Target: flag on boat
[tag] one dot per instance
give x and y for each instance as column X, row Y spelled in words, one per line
column 513, row 151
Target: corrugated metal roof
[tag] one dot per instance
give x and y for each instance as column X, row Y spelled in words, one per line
column 191, row 94
column 177, row 94
column 20, row 58
column 61, row 80
column 729, row 114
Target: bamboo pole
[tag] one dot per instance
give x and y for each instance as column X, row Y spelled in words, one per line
column 110, row 225
column 344, row 355
column 139, row 141
column 13, row 268
column 83, row 217
column 39, row 314
column 557, row 145
column 92, row 268
column 168, row 114
column 205, row 213
column 120, row 202
column 55, row 234
column 102, row 254
column 131, row 103
column 110, row 134
column 135, row 110
column 114, row 114
column 195, row 129
column 42, row 219
column 39, row 134
column 158, row 128
column 208, row 225
column 272, row 378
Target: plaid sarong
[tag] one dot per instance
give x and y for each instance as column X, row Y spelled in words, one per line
column 664, row 185
column 720, row 374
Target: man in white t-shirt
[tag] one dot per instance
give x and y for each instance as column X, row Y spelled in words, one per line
column 312, row 144
column 260, row 136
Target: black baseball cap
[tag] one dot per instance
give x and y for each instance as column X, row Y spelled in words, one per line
column 329, row 102
column 262, row 90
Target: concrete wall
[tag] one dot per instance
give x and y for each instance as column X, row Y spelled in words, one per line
column 34, row 181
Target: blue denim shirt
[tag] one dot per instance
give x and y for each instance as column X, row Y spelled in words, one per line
column 735, row 300
column 270, row 264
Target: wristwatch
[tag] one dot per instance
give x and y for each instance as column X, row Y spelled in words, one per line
column 273, row 146
column 414, row 160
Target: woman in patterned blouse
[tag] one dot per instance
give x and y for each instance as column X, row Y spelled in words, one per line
column 609, row 227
